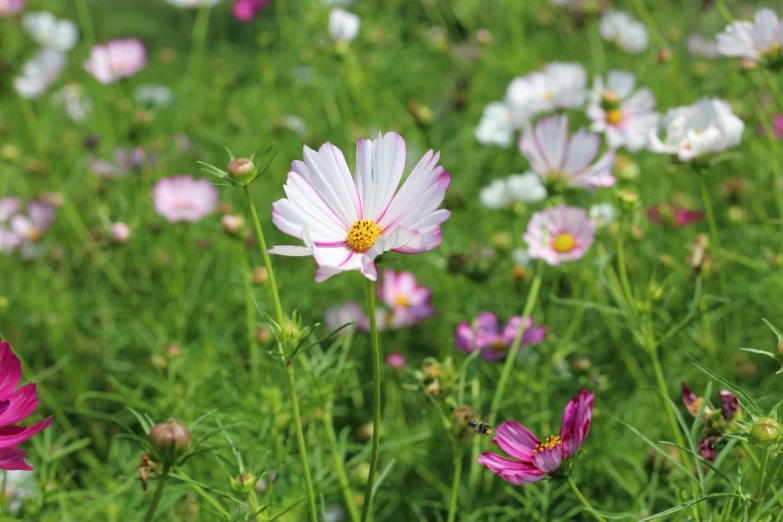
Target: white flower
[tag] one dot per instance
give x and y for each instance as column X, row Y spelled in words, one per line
column 558, row 86
column 602, row 214
column 496, row 126
column 758, row 40
column 517, row 188
column 520, row 257
column 705, row 127
column 49, row 32
column 624, row 115
column 343, row 26
column 295, row 124
column 628, row 34
column 153, row 95
column 39, row 73
column 18, row 485
column 193, row 3
column 701, row 46
column 77, row 104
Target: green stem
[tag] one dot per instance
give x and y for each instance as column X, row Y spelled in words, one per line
column 85, row 21
column 289, row 365
column 200, row 31
column 455, row 485
column 203, row 494
column 164, row 477
column 623, row 269
column 724, row 11
column 376, row 420
column 532, row 296
column 583, row 500
column 255, row 355
column 32, row 123
column 714, row 236
column 339, row 463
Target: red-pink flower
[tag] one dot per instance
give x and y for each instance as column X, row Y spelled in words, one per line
column 9, row 7
column 408, row 302
column 485, row 335
column 536, row 459
column 777, row 127
column 15, row 406
column 674, row 215
column 246, row 10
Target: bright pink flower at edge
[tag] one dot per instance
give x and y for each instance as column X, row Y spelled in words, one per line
column 246, row 10
column 673, row 215
column 9, row 7
column 15, row 406
column 536, row 459
column 486, row 336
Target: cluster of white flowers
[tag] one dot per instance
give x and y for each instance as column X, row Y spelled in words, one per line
column 55, row 38
column 623, row 30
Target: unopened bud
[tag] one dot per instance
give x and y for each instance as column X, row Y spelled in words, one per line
column 765, row 430
column 780, row 344
column 627, row 199
column 243, row 483
column 625, row 168
column 120, row 233
column 421, row 113
column 260, row 275
column 365, row 432
column 395, row 361
column 483, row 36
column 170, row 440
column 232, row 223
column 263, row 335
column 158, row 361
column 241, row 168
column 664, row 55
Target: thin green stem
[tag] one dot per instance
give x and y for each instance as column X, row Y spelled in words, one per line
column 85, row 21
column 623, row 269
column 289, row 364
column 376, row 419
column 203, row 494
column 714, row 235
column 200, row 31
column 32, row 123
column 255, row 355
column 583, row 500
column 455, row 484
column 164, row 477
column 339, row 463
column 772, row 86
column 724, row 11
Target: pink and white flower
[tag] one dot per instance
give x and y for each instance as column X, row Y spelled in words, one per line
column 536, row 459
column 674, row 215
column 120, row 233
column 116, row 60
column 496, row 126
column 343, row 25
column 18, row 404
column 347, row 222
column 759, row 41
column 559, row 234
column 8, row 240
column 39, row 73
column 182, row 198
column 559, row 86
column 408, row 302
column 485, row 335
column 623, row 113
column 27, row 229
column 192, row 4
column 517, row 188
column 337, row 316
column 698, row 45
column 11, row 7
column 558, row 158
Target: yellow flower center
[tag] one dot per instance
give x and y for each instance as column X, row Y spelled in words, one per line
column 402, row 301
column 34, row 234
column 550, row 443
column 363, row 234
column 548, row 95
column 696, row 406
column 615, row 117
column 498, row 346
column 564, row 242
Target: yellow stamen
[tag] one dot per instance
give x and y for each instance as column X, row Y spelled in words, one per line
column 564, row 242
column 363, row 234
column 548, row 95
column 614, row 117
column 550, row 443
column 402, row 301
column 34, row 234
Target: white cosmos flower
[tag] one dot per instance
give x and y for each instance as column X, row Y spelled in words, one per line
column 628, row 34
column 558, row 86
column 39, row 73
column 701, row 46
column 496, row 126
column 602, row 214
column 759, row 40
column 625, row 115
column 193, row 3
column 49, row 32
column 707, row 126
column 517, row 188
column 153, row 95
column 346, row 222
column 76, row 102
column 343, row 26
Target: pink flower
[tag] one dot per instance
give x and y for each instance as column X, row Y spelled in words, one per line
column 707, row 450
column 337, row 316
column 29, row 228
column 485, row 335
column 120, row 233
column 347, row 222
column 674, row 215
column 395, row 361
column 116, row 60
column 246, row 10
column 182, row 198
column 777, row 127
column 729, row 404
column 10, row 7
column 408, row 302
column 15, row 406
column 559, row 234
column 690, row 400
column 556, row 157
column 536, row 459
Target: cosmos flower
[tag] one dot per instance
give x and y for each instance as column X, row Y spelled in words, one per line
column 116, row 60
column 496, row 126
column 337, row 316
column 777, row 127
column 246, row 10
column 408, row 302
column 182, row 198
column 624, row 114
column 628, row 34
column 10, row 7
column 517, row 188
column 729, row 404
column 27, row 229
column 343, row 25
column 759, row 41
column 558, row 86
column 558, row 158
column 674, row 215
column 347, row 222
column 8, row 240
column 602, row 214
column 537, row 459
column 18, row 404
column 154, row 96
column 120, row 232
column 78, row 105
column 559, row 234
column 395, row 361
column 125, row 161
column 700, row 46
column 485, row 335
column 706, row 127
column 191, row 4
column 39, row 73
column 49, row 32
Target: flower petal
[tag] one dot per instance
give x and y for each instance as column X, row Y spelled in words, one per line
column 516, row 440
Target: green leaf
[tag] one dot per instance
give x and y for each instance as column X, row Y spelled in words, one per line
column 777, row 332
column 674, row 462
column 688, row 504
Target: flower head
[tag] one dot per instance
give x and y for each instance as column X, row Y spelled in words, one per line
column 18, row 404
column 691, row 401
column 776, row 127
column 26, row 229
column 674, row 215
column 729, row 404
column 408, row 302
column 343, row 25
column 602, row 214
column 395, row 361
column 570, row 161
column 537, row 459
column 337, row 316
column 496, row 126
column 246, row 10
column 559, row 234
column 485, row 335
column 759, row 41
column 558, row 86
column 701, row 46
column 116, row 60
column 10, row 7
column 120, row 232
column 628, row 34
column 347, row 222
column 182, row 198
column 517, row 188
column 39, row 73
column 49, row 32
column 77, row 103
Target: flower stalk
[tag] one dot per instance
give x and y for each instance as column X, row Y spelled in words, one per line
column 583, row 500
column 376, row 420
column 162, row 480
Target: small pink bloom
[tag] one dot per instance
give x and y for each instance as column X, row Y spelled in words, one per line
column 706, row 449
column 9, row 207
column 395, row 361
column 408, row 302
column 116, row 60
column 485, row 335
column 17, row 405
column 182, row 198
column 536, row 459
column 120, row 233
column 10, row 7
column 337, row 316
column 673, row 215
column 246, row 10
column 559, row 234
column 777, row 127
column 30, row 227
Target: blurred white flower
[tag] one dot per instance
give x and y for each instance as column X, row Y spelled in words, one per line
column 343, row 26
column 558, row 86
column 76, row 102
column 517, row 188
column 628, row 34
column 602, row 214
column 153, row 95
column 626, row 116
column 49, row 32
column 193, row 3
column 701, row 46
column 18, row 485
column 496, row 126
column 705, row 127
column 520, row 257
column 295, row 124
column 39, row 73
column 760, row 40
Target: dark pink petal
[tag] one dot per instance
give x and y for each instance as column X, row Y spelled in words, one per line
column 465, row 338
column 576, row 421
column 497, row 464
column 13, row 459
column 729, row 404
column 549, row 459
column 12, row 436
column 10, row 370
column 688, row 397
column 706, row 450
column 516, row 440
column 520, row 477
column 535, row 335
column 21, row 403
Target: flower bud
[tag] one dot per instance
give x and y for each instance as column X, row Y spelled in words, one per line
column 244, row 483
column 780, row 344
column 765, row 430
column 365, row 432
column 625, row 168
column 664, row 55
column 232, row 223
column 627, row 199
column 170, row 440
column 241, row 168
column 120, row 233
column 729, row 405
column 263, row 335
column 421, row 113
column 395, row 361
column 260, row 275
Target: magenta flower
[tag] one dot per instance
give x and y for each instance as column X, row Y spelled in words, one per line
column 536, row 459
column 674, row 215
column 485, row 335
column 10, row 7
column 777, row 127
column 559, row 234
column 408, row 302
column 558, row 158
column 706, row 448
column 182, row 198
column 395, row 361
column 116, row 60
column 246, row 10
column 15, row 406
column 729, row 404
